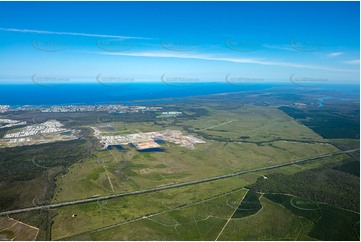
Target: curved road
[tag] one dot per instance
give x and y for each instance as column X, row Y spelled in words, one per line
column 165, row 187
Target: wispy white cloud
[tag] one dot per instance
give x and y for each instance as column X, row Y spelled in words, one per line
column 199, row 56
column 69, row 33
column 352, row 62
column 335, row 54
column 159, row 54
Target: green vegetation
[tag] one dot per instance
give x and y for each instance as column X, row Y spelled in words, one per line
column 116, row 171
column 352, row 167
column 346, row 144
column 91, row 216
column 330, row 223
column 202, row 220
column 249, row 124
column 331, row 123
column 250, row 205
column 272, row 222
column 324, row 185
column 236, row 141
column 238, row 137
column 22, row 168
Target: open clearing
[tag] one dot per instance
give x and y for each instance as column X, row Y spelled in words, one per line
column 126, row 169
column 262, row 225
column 11, row 229
column 200, row 221
column 240, row 139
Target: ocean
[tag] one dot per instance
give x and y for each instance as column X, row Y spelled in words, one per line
column 32, row 94
column 94, row 93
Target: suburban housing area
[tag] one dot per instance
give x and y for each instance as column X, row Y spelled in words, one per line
column 46, row 132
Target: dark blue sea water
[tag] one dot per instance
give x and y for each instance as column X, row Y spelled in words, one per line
column 33, row 94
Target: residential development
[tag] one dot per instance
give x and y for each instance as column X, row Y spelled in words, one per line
column 51, row 126
column 7, row 123
column 110, row 108
column 4, row 108
column 47, row 132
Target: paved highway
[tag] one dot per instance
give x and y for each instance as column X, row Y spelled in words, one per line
column 171, row 186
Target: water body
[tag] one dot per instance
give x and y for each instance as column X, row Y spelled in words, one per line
column 151, row 150
column 142, row 93
column 32, row 94
column 119, row 147
column 109, row 128
column 320, row 101
column 159, row 141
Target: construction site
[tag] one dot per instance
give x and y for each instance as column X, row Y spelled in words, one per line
column 143, row 141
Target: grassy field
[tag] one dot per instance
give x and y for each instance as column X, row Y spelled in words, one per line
column 114, row 171
column 238, row 139
column 250, row 205
column 272, row 222
column 125, row 170
column 346, row 144
column 250, row 124
column 199, row 221
column 94, row 215
column 239, row 136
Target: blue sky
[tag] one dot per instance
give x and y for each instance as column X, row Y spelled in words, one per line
column 142, row 41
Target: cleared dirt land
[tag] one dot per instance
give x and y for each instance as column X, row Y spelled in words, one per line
column 11, row 229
